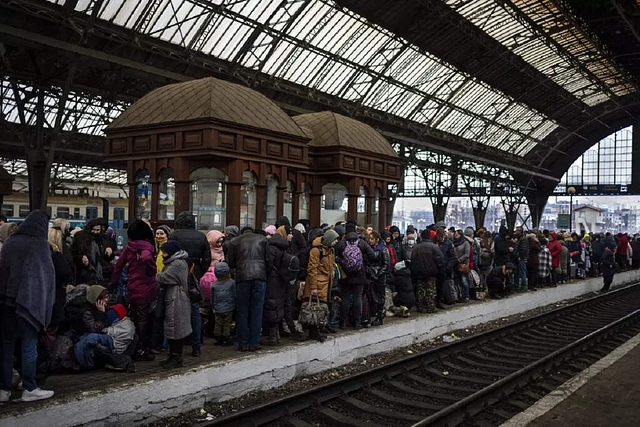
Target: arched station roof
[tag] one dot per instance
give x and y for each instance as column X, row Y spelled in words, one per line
column 530, row 83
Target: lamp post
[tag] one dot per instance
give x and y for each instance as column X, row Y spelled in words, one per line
column 571, row 191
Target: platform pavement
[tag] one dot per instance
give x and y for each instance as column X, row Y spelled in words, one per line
column 105, row 399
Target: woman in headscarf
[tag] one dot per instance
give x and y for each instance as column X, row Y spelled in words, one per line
column 320, row 272
column 162, row 236
column 27, row 294
column 142, row 288
column 216, row 243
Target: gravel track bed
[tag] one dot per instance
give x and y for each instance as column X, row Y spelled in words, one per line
column 218, row 409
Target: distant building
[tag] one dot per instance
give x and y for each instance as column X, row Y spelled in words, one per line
column 588, row 219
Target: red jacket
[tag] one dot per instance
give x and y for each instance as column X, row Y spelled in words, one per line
column 622, row 244
column 142, row 287
column 556, row 249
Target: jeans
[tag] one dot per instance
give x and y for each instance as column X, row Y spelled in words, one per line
column 464, row 280
column 249, row 307
column 347, row 291
column 521, row 275
column 13, row 327
column 196, row 326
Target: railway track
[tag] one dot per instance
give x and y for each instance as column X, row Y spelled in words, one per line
column 449, row 385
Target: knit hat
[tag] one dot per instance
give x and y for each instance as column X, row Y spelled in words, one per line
column 120, row 310
column 468, row 232
column 93, row 293
column 171, row 247
column 166, row 230
column 426, row 234
column 270, row 230
column 113, row 316
column 221, row 270
column 340, row 230
column 440, row 224
column 350, row 228
column 329, row 237
column 300, row 227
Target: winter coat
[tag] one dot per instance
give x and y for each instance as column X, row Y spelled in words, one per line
column 92, row 273
column 249, row 256
column 610, row 242
column 608, row 265
column 397, row 246
column 192, row 242
column 501, row 246
column 623, row 243
column 523, row 248
column 63, row 277
column 496, row 280
column 142, row 287
column 597, row 250
column 93, row 320
column 462, row 250
column 217, row 253
column 401, row 283
column 534, row 254
column 377, row 271
column 448, row 256
column 177, row 311
column 487, row 253
column 278, row 281
column 320, row 271
column 564, row 256
column 575, row 251
column 555, row 247
column 122, row 332
column 407, row 249
column 27, row 275
column 427, row 261
column 223, row 296
column 232, row 232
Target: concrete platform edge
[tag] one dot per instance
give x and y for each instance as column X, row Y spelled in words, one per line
column 150, row 400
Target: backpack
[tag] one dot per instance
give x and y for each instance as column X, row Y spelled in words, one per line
column 289, row 267
column 352, row 257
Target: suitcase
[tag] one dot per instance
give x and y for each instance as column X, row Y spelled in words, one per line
column 573, row 267
column 450, row 291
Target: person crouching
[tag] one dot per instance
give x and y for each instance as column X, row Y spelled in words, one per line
column 177, row 321
column 223, row 301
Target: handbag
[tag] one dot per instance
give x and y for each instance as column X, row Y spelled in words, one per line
column 194, row 289
column 463, row 267
column 313, row 313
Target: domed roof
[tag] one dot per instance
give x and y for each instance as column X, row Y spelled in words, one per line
column 203, row 99
column 333, row 130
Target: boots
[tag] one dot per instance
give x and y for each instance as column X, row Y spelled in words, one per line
column 175, row 355
column 272, row 336
column 282, row 332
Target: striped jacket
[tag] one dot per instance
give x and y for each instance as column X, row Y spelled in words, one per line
column 544, row 268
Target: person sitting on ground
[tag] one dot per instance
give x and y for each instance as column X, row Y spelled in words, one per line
column 223, row 301
column 498, row 278
column 94, row 316
column 404, row 297
column 177, row 305
column 122, row 329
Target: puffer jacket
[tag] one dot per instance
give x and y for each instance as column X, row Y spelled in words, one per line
column 555, row 247
column 320, row 271
column 273, row 311
column 377, row 271
column 122, row 333
column 249, row 256
column 193, row 242
column 217, row 253
column 427, row 261
column 223, row 296
column 401, row 284
column 142, row 287
column 177, row 311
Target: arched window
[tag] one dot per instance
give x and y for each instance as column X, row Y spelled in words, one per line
column 270, row 201
column 167, row 195
column 303, row 211
column 208, row 198
column 248, row 200
column 143, row 195
column 334, row 203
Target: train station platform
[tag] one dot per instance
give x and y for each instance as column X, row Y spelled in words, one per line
column 605, row 394
column 104, row 398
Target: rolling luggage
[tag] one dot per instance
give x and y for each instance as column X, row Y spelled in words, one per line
column 573, row 270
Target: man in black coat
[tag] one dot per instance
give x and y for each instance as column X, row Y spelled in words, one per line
column 427, row 269
column 449, row 260
column 97, row 228
column 196, row 245
column 249, row 256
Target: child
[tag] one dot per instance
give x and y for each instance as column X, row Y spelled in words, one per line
column 545, row 265
column 122, row 329
column 223, row 301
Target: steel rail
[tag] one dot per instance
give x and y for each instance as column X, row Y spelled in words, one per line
column 453, row 414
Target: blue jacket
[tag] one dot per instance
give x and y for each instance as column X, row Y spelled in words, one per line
column 84, row 348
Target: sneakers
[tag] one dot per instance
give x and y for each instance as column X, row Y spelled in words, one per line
column 36, row 394
column 4, row 396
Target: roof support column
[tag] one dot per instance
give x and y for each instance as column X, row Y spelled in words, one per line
column 511, row 205
column 635, row 160
column 234, row 184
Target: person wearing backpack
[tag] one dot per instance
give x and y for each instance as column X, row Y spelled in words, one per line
column 351, row 254
column 285, row 269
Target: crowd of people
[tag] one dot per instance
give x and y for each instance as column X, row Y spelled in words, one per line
column 69, row 300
